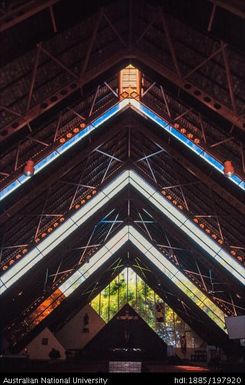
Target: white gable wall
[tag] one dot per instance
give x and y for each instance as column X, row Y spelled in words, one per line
column 40, row 347
column 72, row 335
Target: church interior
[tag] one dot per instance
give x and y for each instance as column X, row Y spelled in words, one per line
column 122, row 167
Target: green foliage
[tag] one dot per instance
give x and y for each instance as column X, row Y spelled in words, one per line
column 142, row 298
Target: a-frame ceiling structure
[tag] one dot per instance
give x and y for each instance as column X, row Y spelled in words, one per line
column 72, row 84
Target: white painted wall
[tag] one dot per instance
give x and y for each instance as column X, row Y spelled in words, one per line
column 37, row 351
column 72, row 336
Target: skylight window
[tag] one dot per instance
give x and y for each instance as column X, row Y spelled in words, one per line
column 151, row 253
column 188, row 227
column 16, row 271
column 129, row 83
column 129, row 288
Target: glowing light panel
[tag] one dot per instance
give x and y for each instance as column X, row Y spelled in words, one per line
column 16, row 271
column 155, row 256
column 159, row 201
column 147, row 113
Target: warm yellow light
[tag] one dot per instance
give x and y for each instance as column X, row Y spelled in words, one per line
column 129, row 83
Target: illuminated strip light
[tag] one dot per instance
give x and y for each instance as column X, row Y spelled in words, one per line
column 95, row 262
column 148, row 113
column 188, row 226
column 63, row 148
column 154, row 256
column 176, row 276
column 159, row 201
column 15, row 272
column 79, row 276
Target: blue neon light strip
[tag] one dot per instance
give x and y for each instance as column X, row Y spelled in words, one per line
column 64, row 147
column 145, row 112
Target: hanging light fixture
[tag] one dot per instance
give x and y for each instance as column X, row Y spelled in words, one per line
column 29, row 168
column 228, row 168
